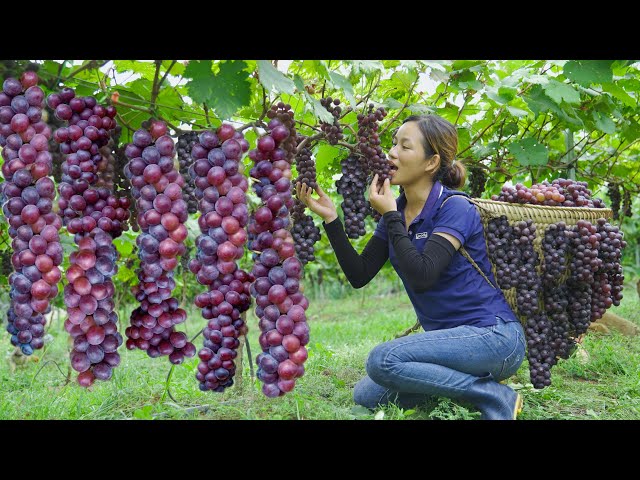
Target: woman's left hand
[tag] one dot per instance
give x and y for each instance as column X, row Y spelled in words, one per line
column 381, row 198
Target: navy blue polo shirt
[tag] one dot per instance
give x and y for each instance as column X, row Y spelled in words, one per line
column 461, row 296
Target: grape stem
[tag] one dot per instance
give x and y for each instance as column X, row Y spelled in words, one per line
column 66, row 377
column 395, row 117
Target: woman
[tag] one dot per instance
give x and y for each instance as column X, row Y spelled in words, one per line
column 472, row 338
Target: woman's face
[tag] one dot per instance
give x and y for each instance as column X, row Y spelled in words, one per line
column 408, row 156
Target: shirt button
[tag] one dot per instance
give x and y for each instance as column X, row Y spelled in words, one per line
column 410, row 232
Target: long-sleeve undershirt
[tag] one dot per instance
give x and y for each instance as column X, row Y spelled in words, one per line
column 420, row 270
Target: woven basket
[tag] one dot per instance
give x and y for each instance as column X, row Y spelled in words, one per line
column 542, row 216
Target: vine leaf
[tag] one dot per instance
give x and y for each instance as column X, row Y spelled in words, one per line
column 225, row 92
column 274, row 80
column 529, row 152
column 344, row 84
column 560, row 92
column 586, row 72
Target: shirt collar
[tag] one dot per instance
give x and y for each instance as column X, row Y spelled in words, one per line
column 435, row 194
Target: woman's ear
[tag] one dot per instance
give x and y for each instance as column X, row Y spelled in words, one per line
column 433, row 164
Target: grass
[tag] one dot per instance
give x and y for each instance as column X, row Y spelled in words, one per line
column 343, row 331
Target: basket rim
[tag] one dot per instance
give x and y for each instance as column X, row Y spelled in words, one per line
column 542, row 207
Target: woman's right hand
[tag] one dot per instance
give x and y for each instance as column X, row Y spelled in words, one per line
column 323, row 206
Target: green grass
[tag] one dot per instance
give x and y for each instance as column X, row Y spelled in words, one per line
column 343, row 331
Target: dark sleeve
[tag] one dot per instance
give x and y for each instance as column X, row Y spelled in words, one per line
column 421, row 270
column 359, row 269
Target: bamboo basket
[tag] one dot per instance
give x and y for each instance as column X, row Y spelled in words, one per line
column 542, row 216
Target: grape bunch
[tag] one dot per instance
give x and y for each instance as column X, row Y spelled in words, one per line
column 477, row 181
column 369, row 143
column 610, row 254
column 186, row 141
column 560, row 332
column 554, row 251
column 352, row 185
column 503, row 252
column 528, row 288
column 305, row 166
column 48, row 115
column 560, row 192
column 333, row 132
column 540, row 355
column 613, row 191
column 157, row 187
column 626, row 203
column 94, row 215
column 122, row 186
column 27, row 202
column 221, row 189
column 305, row 233
column 280, row 302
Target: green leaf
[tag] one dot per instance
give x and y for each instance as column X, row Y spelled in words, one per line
column 298, row 82
column 462, row 64
column 529, row 152
column 143, row 413
column 273, row 79
column 391, row 102
column 621, row 171
column 616, row 91
column 517, row 112
column 317, row 108
column 404, row 79
column 360, row 411
column 631, row 132
column 225, row 92
column 560, row 92
column 326, row 155
column 510, row 128
column 343, row 83
column 464, row 138
column 368, row 65
column 438, row 76
column 507, row 92
column 199, row 88
column 420, row 108
column 586, row 72
column 124, row 245
column 145, row 69
column 604, row 123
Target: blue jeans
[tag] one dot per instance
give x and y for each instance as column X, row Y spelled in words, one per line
column 463, row 363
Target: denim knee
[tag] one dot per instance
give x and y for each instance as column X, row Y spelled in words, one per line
column 367, row 393
column 377, row 363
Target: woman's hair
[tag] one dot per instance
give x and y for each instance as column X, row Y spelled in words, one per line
column 440, row 136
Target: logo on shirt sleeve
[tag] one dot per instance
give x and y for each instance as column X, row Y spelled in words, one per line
column 422, row 235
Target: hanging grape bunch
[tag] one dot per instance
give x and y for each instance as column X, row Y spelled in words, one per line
column 280, row 305
column 375, row 161
column 186, row 141
column 95, row 216
column 305, row 233
column 48, row 115
column 626, row 203
column 333, row 132
column 27, row 196
column 477, row 181
column 614, row 196
column 157, row 187
column 503, row 252
column 221, row 189
column 352, row 186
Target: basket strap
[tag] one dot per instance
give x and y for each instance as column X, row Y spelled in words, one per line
column 463, row 250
